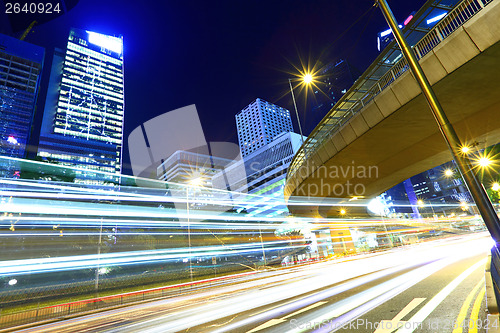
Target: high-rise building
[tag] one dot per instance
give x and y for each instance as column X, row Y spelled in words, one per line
column 259, row 123
column 261, row 173
column 83, row 118
column 20, row 71
column 433, row 187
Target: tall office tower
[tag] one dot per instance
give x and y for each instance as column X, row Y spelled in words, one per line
column 83, row 119
column 262, row 173
column 20, row 72
column 335, row 79
column 259, row 123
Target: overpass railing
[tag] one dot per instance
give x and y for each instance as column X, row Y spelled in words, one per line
column 358, row 96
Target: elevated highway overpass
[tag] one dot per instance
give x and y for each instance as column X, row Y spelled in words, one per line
column 382, row 131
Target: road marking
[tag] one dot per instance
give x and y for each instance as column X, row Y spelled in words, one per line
column 267, row 324
column 273, row 322
column 465, row 307
column 388, row 326
column 475, row 311
column 421, row 315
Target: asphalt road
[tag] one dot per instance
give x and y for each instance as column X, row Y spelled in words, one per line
column 432, row 287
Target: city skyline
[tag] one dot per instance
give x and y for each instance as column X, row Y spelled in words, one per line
column 382, row 215
column 259, row 57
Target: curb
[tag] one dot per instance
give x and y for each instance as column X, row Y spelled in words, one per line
column 493, row 316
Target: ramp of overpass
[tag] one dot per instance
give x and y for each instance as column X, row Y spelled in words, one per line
column 376, row 137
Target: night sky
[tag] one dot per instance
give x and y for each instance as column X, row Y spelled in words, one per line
column 220, row 55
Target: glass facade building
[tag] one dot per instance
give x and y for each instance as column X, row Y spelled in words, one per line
column 335, row 79
column 20, row 72
column 83, row 118
column 261, row 173
column 259, row 123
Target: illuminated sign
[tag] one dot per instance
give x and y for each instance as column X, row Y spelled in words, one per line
column 408, row 19
column 108, row 42
column 383, row 38
column 12, row 140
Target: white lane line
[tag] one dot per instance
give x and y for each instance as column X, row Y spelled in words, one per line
column 388, row 326
column 392, row 287
column 273, row 322
column 423, row 313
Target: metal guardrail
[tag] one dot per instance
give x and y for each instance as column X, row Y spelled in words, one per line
column 330, row 124
column 80, row 307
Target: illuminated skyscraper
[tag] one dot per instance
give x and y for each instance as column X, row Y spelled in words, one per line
column 259, row 123
column 20, row 71
column 83, row 118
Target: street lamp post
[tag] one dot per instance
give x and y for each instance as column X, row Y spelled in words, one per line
column 189, row 236
column 307, row 79
column 262, row 245
column 296, row 112
column 476, row 189
column 193, row 182
column 96, row 286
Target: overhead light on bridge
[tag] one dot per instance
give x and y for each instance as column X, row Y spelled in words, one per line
column 465, row 149
column 436, row 18
column 484, row 162
column 495, row 187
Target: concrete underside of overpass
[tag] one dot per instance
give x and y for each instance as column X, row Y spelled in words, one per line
column 396, row 136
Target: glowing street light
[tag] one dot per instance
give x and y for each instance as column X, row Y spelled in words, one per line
column 448, row 172
column 484, row 162
column 495, row 187
column 196, row 182
column 308, row 78
column 465, row 149
column 420, row 202
column 343, row 211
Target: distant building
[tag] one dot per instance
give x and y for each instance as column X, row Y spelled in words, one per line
column 184, row 167
column 433, row 188
column 20, row 72
column 259, row 123
column 334, row 80
column 83, row 118
column 264, row 172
